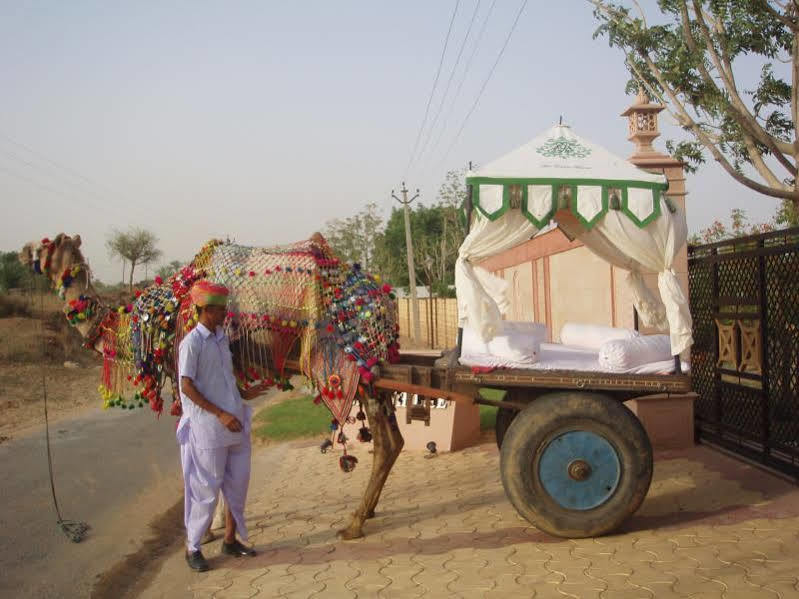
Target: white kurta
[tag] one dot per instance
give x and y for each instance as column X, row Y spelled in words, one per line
column 213, row 457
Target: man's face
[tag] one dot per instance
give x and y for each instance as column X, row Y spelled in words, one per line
column 216, row 315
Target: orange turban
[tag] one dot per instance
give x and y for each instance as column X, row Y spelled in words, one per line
column 205, row 293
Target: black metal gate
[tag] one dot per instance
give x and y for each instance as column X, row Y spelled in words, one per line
column 744, row 296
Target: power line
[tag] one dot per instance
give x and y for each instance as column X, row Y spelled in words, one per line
column 70, row 195
column 463, row 78
column 449, row 82
column 34, row 166
column 485, row 83
column 51, row 189
column 57, row 165
column 432, row 91
column 82, row 189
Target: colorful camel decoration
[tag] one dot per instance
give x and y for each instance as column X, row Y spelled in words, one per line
column 293, row 306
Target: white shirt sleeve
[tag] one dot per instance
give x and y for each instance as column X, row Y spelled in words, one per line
column 188, row 357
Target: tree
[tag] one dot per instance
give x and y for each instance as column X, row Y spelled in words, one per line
column 452, row 194
column 787, row 215
column 453, row 191
column 353, row 239
column 12, row 272
column 137, row 246
column 14, row 275
column 691, row 62
column 740, row 227
column 437, row 235
column 167, row 270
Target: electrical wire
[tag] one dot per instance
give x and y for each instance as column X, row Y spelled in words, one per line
column 463, row 79
column 449, row 81
column 485, row 83
column 432, row 91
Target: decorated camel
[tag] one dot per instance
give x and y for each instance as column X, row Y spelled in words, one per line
column 292, row 307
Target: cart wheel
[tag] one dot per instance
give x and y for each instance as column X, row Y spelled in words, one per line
column 504, row 418
column 576, row 464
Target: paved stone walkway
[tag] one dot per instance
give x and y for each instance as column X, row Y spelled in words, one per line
column 711, row 527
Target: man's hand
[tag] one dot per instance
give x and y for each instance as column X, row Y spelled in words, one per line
column 255, row 391
column 230, row 421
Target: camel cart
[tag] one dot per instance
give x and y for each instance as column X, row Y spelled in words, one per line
column 575, row 461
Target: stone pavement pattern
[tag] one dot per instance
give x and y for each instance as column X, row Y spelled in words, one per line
column 710, row 528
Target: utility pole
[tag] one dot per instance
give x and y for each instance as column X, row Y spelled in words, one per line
column 417, row 331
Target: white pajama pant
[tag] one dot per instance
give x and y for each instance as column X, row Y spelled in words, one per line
column 205, row 473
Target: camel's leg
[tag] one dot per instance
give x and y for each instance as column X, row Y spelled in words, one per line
column 395, row 444
column 387, row 446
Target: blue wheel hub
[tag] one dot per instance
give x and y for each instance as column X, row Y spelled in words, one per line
column 580, row 470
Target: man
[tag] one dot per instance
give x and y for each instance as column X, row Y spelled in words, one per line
column 214, row 431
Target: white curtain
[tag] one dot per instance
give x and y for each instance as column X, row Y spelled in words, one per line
column 482, row 297
column 621, row 242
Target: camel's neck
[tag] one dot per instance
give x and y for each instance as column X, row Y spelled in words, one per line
column 83, row 306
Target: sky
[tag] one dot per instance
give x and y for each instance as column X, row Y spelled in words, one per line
column 262, row 121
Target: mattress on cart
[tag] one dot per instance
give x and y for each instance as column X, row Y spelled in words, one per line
column 524, row 346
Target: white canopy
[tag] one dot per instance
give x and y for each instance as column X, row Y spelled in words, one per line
column 616, row 209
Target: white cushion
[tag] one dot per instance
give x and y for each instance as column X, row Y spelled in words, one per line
column 516, row 344
column 592, row 336
column 624, row 354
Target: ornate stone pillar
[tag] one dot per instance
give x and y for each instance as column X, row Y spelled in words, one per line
column 643, row 129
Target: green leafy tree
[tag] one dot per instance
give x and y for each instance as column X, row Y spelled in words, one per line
column 167, row 270
column 691, row 59
column 453, row 191
column 14, row 275
column 136, row 246
column 787, row 215
column 437, row 235
column 12, row 272
column 354, row 238
column 739, row 227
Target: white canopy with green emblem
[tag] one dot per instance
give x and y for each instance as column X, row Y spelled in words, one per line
column 619, row 211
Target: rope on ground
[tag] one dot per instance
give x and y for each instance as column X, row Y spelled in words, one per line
column 74, row 530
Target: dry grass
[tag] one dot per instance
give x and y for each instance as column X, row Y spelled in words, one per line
column 33, row 329
column 13, row 306
column 34, row 303
column 34, row 340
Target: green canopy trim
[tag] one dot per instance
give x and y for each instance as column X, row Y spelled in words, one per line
column 644, row 209
column 587, row 219
column 634, row 213
column 538, row 219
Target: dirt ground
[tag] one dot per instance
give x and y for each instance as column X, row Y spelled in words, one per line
column 24, row 361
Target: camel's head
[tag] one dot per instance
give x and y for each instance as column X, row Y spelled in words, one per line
column 52, row 257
